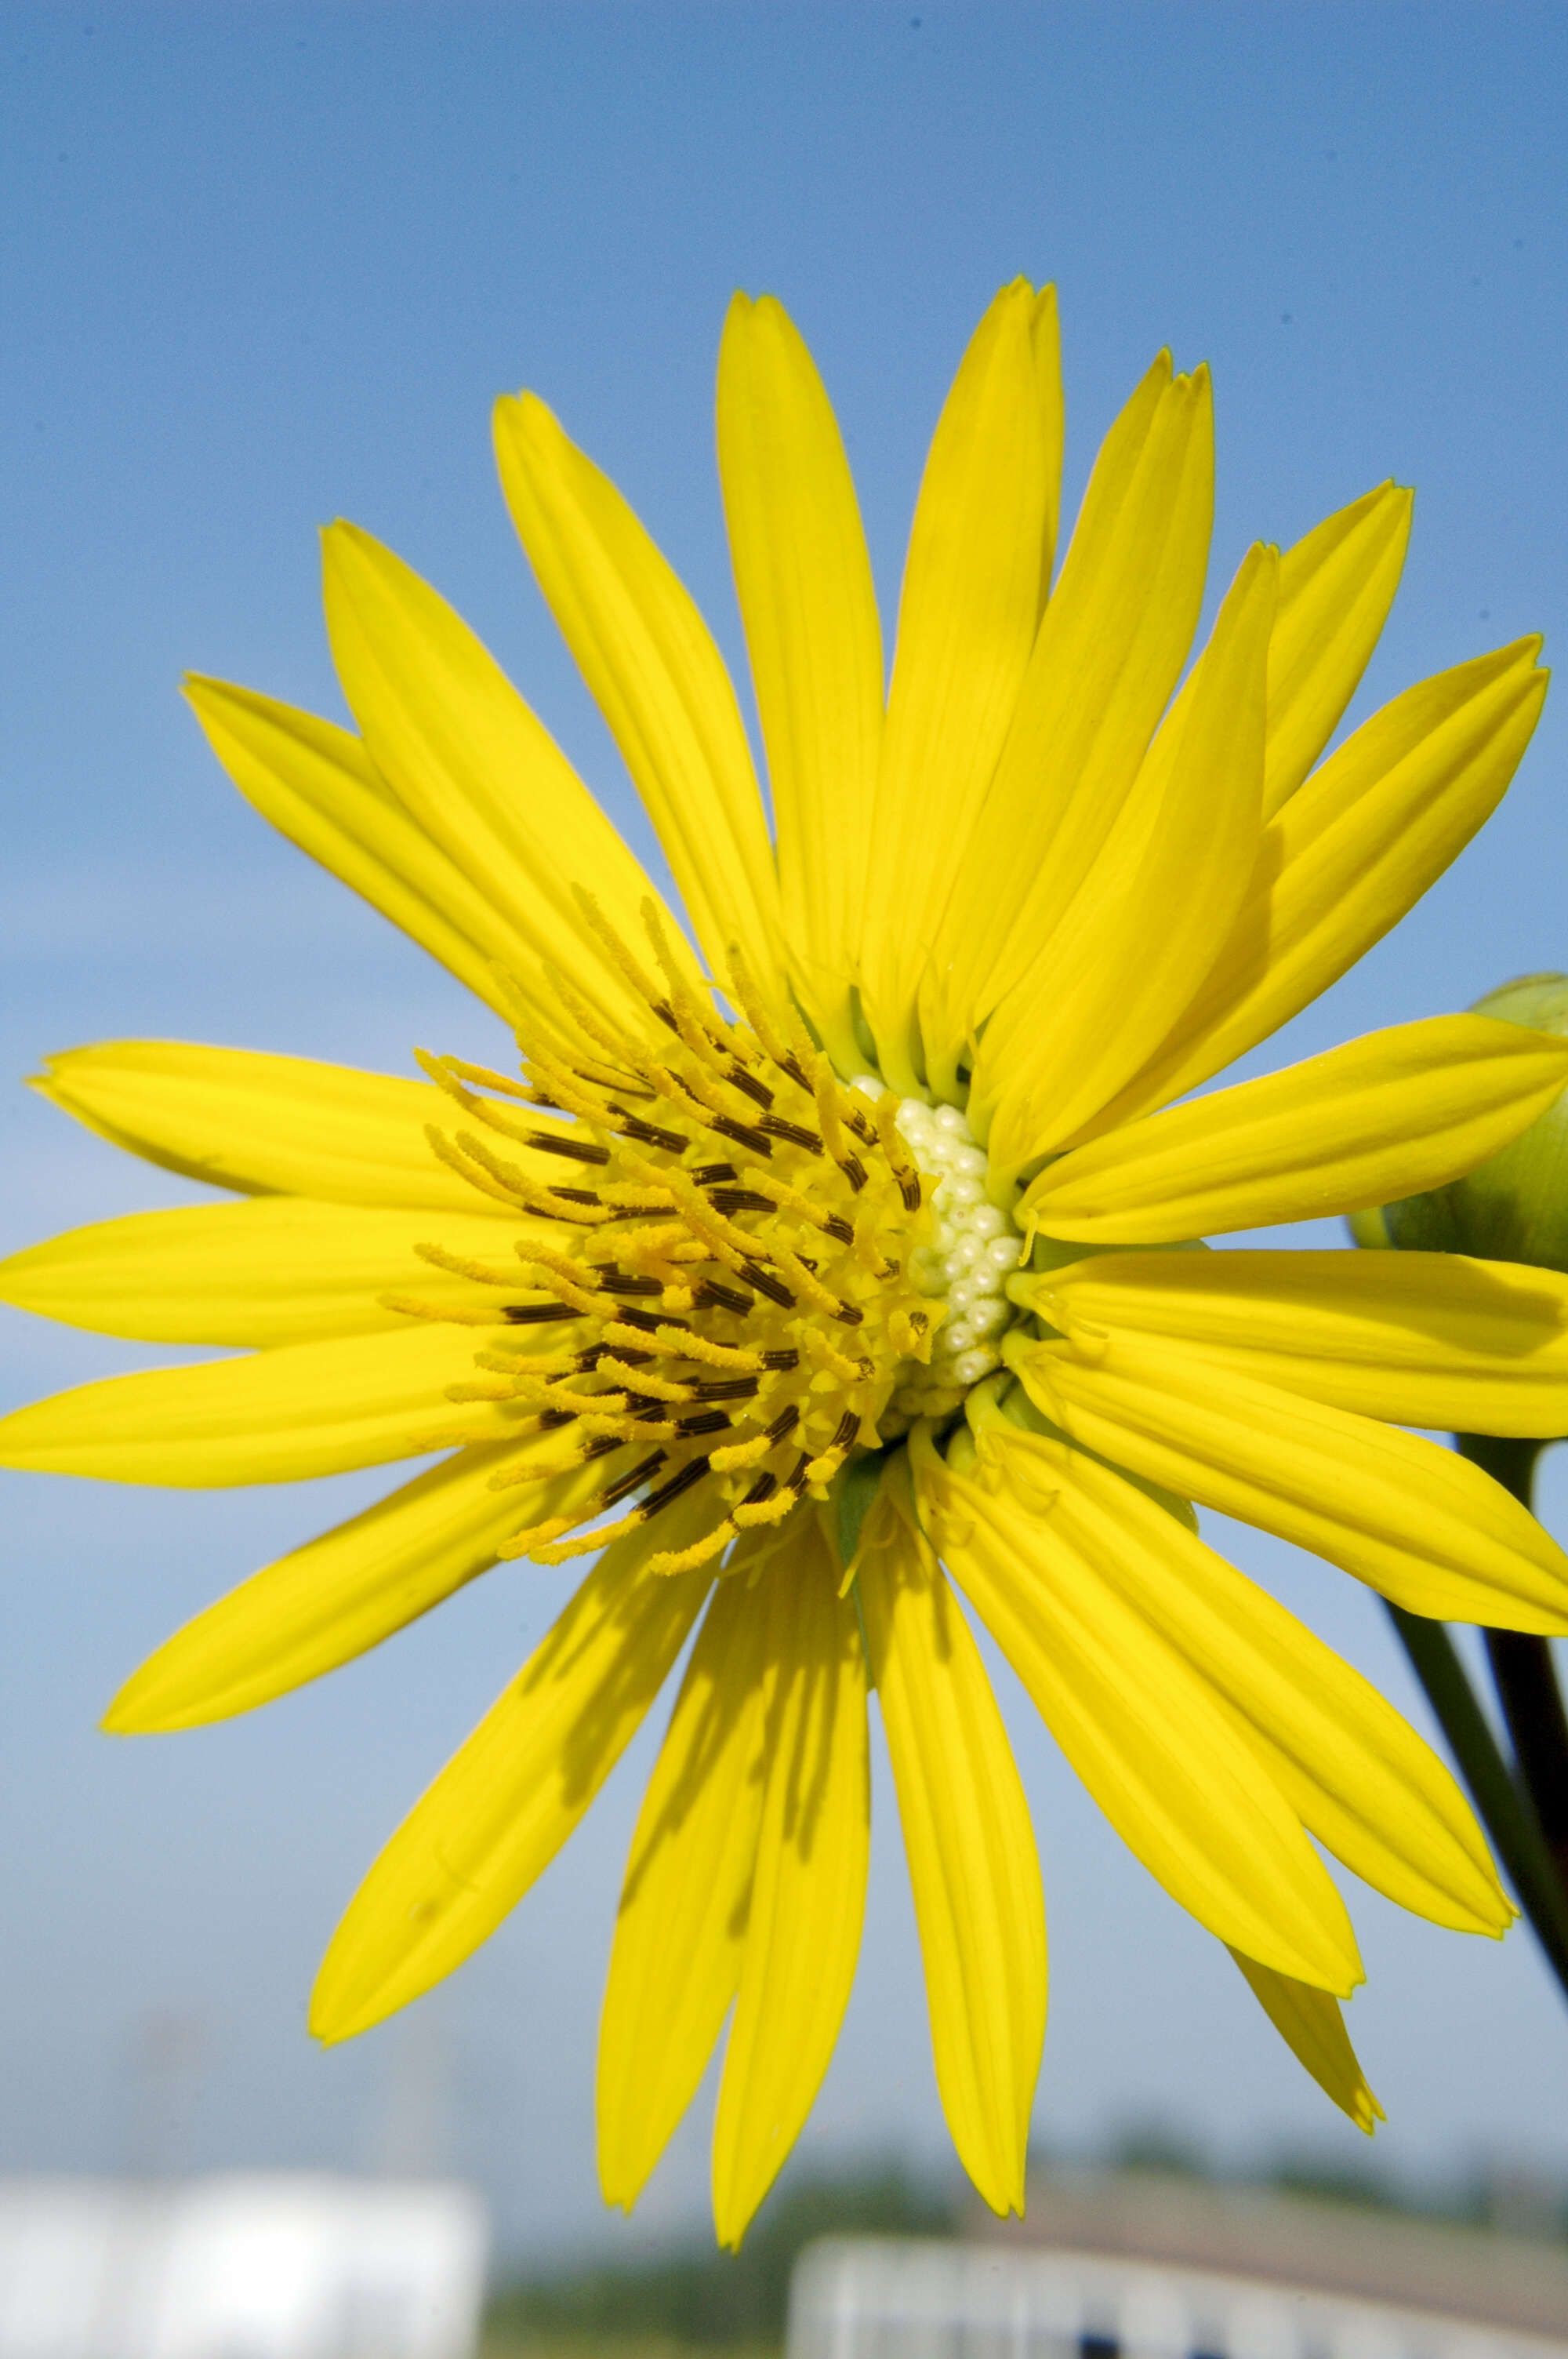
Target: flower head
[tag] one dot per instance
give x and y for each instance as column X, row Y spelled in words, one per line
column 816, row 1267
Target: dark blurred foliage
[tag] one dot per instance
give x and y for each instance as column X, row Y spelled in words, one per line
column 699, row 2295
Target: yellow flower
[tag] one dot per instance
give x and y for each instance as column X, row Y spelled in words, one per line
column 845, row 1231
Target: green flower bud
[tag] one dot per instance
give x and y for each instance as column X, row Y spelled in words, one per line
column 1515, row 1206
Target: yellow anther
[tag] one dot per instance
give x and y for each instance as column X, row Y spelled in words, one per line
column 700, row 1552
column 764, row 1511
column 642, row 1380
column 475, row 1175
column 735, row 1455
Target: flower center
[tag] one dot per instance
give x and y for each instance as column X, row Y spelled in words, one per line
column 753, row 1270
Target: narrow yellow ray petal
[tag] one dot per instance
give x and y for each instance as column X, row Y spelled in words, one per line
column 680, row 1932
column 1348, row 855
column 1379, row 1118
column 804, row 1932
column 1313, row 2027
column 273, row 1416
column 345, row 1592
column 978, row 553
column 263, row 1125
column 972, row 1860
column 477, row 772
column 1141, row 933
column 804, row 580
column 1358, row 1777
column 1115, row 635
column 1411, row 1520
column 1431, row 1340
column 1045, row 335
column 659, row 680
column 508, row 1799
column 1182, row 1788
column 319, row 787
column 1336, row 589
column 269, row 1269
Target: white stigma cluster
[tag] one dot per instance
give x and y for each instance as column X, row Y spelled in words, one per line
column 973, row 1251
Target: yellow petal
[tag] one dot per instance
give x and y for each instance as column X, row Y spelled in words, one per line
column 1141, row 933
column 1358, row 1777
column 680, row 1933
column 1382, row 1118
column 1313, row 2028
column 1045, row 335
column 1115, row 635
column 1166, row 1766
column 1347, row 857
column 659, row 680
column 510, row 1796
column 263, row 1125
column 274, row 1417
column 319, row 787
column 275, row 1269
column 1336, row 589
column 972, row 1861
column 1431, row 1340
column 978, row 554
column 478, row 773
column 1415, row 1521
column 809, row 608
column 804, row 1932
column 326, row 1602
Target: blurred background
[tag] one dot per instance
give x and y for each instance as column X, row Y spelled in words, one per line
column 263, row 264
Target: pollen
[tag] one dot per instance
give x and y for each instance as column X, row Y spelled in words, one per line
column 737, row 1260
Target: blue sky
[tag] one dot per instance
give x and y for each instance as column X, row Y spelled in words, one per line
column 261, row 265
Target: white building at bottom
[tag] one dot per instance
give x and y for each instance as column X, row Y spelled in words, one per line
column 253, row 2265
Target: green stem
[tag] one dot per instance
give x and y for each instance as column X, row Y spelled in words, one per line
column 1505, row 1812
column 1522, row 1668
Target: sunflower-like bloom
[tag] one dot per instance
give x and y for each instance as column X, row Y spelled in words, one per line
column 817, row 1265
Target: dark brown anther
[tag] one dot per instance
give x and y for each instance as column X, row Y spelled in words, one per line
column 550, row 1419
column 731, row 1388
column 714, row 1297
column 713, row 1175
column 785, row 1422
column 574, row 1195
column 646, row 1133
column 794, row 1133
column 740, row 1200
column 742, row 1135
column 909, row 1189
column 837, row 1227
column 689, row 1474
column 625, row 1485
column 667, row 1016
column 643, row 1320
column 854, row 1172
column 786, row 1357
column 863, row 1126
column 773, row 1287
column 850, row 1313
column 796, row 1482
column 617, row 1282
column 706, row 1420
column 793, row 1066
column 536, row 1314
column 548, row 1143
column 758, row 1092
column 763, row 1488
column 601, row 1447
column 848, row 1431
